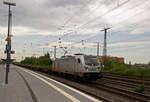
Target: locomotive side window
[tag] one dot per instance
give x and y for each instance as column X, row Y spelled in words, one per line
column 79, row 60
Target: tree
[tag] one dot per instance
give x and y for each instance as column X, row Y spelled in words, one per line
column 38, row 61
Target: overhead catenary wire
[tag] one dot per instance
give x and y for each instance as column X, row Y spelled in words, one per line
column 109, row 11
column 89, row 13
column 132, row 8
column 90, row 21
column 70, row 18
column 129, row 8
column 68, row 34
column 139, row 13
column 73, row 16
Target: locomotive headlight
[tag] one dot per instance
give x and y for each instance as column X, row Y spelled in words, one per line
column 86, row 68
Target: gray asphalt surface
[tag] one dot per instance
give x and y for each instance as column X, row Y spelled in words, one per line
column 44, row 89
column 15, row 90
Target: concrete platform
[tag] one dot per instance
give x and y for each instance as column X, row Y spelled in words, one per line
column 28, row 86
column 15, row 90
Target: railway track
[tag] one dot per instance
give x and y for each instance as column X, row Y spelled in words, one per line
column 103, row 90
column 128, row 82
column 122, row 92
column 128, row 79
column 124, row 84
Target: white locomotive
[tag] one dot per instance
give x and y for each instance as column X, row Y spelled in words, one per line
column 79, row 65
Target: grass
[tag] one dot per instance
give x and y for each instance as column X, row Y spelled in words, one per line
column 118, row 68
column 139, row 88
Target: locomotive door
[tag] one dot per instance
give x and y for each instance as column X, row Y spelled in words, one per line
column 78, row 65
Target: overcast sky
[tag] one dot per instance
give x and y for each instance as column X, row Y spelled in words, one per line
column 38, row 24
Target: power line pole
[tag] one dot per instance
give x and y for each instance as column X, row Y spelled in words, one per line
column 54, row 52
column 8, row 39
column 82, row 41
column 105, row 43
column 98, row 49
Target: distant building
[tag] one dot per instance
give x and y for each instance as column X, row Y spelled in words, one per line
column 120, row 59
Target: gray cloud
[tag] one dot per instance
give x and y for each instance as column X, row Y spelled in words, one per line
column 46, row 16
column 64, row 3
column 41, row 15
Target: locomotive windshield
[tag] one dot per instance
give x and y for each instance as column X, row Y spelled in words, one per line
column 91, row 60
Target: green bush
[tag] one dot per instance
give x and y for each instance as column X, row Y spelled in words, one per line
column 139, row 88
column 129, row 71
column 143, row 72
column 44, row 61
column 118, row 68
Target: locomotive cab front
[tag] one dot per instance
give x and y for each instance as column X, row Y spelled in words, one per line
column 91, row 63
column 92, row 66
